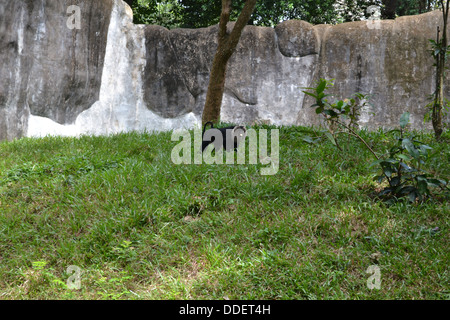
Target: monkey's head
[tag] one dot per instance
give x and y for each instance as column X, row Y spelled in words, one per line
column 231, row 137
column 239, row 133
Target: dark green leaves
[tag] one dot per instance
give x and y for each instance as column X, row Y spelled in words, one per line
column 403, row 169
column 404, row 120
column 321, row 87
column 401, row 166
column 411, row 148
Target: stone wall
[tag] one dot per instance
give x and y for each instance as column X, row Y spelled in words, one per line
column 47, row 69
column 111, row 75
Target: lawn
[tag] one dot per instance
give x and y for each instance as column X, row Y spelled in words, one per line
column 137, row 226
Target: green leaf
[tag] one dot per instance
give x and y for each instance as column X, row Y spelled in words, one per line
column 424, row 149
column 436, row 182
column 321, row 96
column 310, row 94
column 412, row 196
column 395, row 182
column 388, row 171
column 331, row 138
column 423, row 187
column 404, row 157
column 331, row 113
column 389, row 166
column 405, row 166
column 404, row 119
column 389, row 161
column 321, row 87
column 347, row 108
column 309, row 139
column 393, row 130
column 394, row 150
column 376, row 162
column 424, row 146
column 409, row 146
column 379, row 179
column 409, row 191
column 385, row 191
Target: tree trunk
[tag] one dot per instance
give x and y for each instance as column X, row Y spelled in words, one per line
column 436, row 115
column 216, row 87
column 226, row 47
column 422, row 5
column 390, row 8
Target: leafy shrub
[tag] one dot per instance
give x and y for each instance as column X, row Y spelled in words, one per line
column 402, row 167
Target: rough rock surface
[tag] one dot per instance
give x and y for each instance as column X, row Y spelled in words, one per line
column 111, row 75
column 47, row 69
column 387, row 59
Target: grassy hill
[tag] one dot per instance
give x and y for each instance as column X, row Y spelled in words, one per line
column 140, row 227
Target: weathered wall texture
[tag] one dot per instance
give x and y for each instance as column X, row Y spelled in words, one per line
column 388, row 59
column 111, row 75
column 47, row 69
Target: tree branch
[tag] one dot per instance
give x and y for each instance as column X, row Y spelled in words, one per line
column 241, row 22
column 224, row 18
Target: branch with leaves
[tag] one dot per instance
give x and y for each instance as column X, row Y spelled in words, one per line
column 401, row 167
column 439, row 51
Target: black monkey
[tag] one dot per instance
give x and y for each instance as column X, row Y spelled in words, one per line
column 236, row 134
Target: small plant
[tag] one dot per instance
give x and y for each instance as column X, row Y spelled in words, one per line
column 342, row 115
column 115, row 287
column 439, row 106
column 439, row 51
column 39, row 278
column 125, row 252
column 429, row 114
column 39, row 265
column 402, row 167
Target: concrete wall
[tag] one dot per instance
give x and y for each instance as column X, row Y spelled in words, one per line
column 47, row 69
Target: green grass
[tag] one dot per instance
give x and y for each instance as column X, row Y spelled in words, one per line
column 140, row 227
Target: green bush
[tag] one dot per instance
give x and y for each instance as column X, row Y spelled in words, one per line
column 401, row 166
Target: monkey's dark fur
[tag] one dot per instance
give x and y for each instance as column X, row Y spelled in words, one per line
column 237, row 133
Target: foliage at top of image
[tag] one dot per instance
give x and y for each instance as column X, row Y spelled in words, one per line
column 203, row 13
